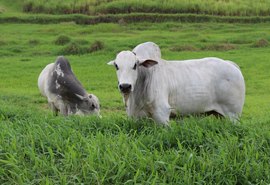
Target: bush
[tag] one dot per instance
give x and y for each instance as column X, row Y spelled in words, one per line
column 72, row 49
column 261, row 43
column 62, row 40
column 75, row 48
column 33, row 42
column 219, row 47
column 28, row 7
column 184, row 48
column 96, row 46
column 2, row 42
column 2, row 10
column 82, row 42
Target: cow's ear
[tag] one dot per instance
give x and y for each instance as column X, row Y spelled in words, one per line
column 111, row 62
column 148, row 63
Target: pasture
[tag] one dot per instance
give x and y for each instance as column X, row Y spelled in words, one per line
column 38, row 148
column 212, row 7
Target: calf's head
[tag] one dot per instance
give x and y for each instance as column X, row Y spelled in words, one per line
column 88, row 104
column 127, row 65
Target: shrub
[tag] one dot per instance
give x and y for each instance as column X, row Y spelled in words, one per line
column 96, row 46
column 261, row 43
column 122, row 22
column 28, row 7
column 72, row 49
column 62, row 40
column 184, row 48
column 82, row 42
column 33, row 42
column 2, row 42
column 219, row 47
column 2, row 10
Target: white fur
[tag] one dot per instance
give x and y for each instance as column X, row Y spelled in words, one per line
column 147, row 50
column 183, row 87
column 59, row 71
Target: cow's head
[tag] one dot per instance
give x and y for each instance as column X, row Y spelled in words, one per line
column 89, row 104
column 127, row 65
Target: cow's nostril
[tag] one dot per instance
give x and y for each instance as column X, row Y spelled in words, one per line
column 125, row 87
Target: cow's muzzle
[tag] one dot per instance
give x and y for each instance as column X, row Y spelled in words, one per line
column 125, row 88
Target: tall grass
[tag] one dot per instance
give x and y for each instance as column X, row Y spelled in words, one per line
column 211, row 7
column 129, row 18
column 41, row 149
column 37, row 148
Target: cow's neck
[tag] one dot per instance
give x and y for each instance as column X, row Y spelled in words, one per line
column 137, row 99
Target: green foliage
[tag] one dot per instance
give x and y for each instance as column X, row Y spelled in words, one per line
column 211, row 7
column 211, row 47
column 96, row 46
column 219, row 47
column 62, row 40
column 261, row 43
column 72, row 49
column 75, row 48
column 33, row 42
column 124, row 19
column 38, row 148
column 184, row 48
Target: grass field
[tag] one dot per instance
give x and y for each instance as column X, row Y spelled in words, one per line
column 122, row 11
column 38, row 148
column 212, row 7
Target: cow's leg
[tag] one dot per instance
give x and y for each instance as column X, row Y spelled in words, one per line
column 161, row 113
column 54, row 108
column 234, row 118
column 63, row 109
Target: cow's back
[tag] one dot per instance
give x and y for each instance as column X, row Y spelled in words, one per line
column 64, row 81
column 202, row 85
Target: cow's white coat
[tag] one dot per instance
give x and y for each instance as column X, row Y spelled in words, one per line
column 161, row 88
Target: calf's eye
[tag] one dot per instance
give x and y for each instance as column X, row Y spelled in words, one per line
column 116, row 66
column 134, row 67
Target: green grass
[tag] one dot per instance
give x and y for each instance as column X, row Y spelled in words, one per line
column 212, row 7
column 122, row 11
column 117, row 151
column 37, row 148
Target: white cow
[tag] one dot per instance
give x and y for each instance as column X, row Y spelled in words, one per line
column 158, row 88
column 64, row 92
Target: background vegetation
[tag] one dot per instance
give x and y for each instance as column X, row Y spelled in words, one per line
column 37, row 148
column 114, row 11
column 212, row 7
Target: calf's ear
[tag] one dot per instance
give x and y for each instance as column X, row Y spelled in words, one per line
column 111, row 62
column 148, row 63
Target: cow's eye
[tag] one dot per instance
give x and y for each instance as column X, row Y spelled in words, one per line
column 116, row 66
column 134, row 67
